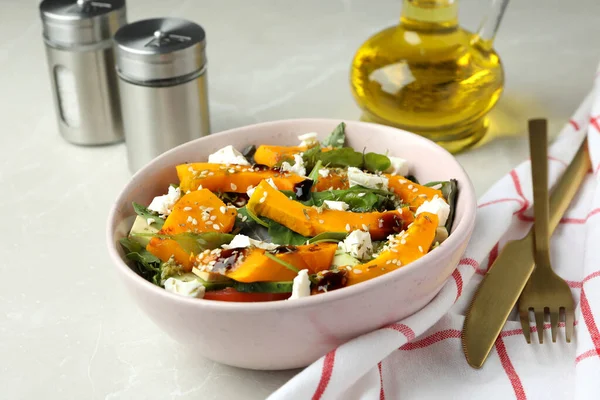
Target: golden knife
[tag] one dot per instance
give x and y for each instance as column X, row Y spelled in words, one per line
column 502, row 285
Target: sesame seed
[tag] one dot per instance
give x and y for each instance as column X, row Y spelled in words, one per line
column 223, row 209
column 231, row 170
column 233, row 186
column 348, row 227
column 321, row 221
column 393, row 250
column 380, row 222
column 213, row 217
column 423, row 195
column 435, row 197
column 330, row 188
column 200, row 187
column 400, row 211
column 415, row 190
column 187, row 208
column 357, row 271
column 216, row 227
column 244, row 218
column 421, row 249
column 189, row 219
column 388, row 261
column 361, row 194
column 262, row 200
column 211, row 173
column 402, row 181
column 194, row 221
column 410, row 187
column 191, row 169
column 349, row 268
column 403, row 241
column 365, row 227
column 249, row 188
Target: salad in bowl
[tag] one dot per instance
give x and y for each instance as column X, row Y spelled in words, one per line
column 271, row 222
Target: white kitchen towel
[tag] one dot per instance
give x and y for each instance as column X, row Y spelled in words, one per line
column 421, row 356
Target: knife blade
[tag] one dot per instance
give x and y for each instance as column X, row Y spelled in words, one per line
column 502, row 285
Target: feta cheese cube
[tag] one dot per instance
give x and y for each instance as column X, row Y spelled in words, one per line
column 372, row 181
column 336, row 205
column 436, row 206
column 298, row 167
column 164, row 204
column 308, row 139
column 324, row 172
column 301, row 285
column 243, row 241
column 228, row 155
column 188, row 288
column 399, row 166
column 358, row 244
column 251, row 189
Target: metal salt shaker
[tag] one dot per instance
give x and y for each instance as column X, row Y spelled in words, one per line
column 78, row 36
column 161, row 65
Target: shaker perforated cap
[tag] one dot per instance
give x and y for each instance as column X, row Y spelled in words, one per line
column 73, row 23
column 160, row 49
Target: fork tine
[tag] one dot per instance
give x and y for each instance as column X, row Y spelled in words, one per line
column 524, row 316
column 554, row 323
column 569, row 323
column 539, row 322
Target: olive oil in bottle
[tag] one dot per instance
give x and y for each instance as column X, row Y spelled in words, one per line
column 429, row 76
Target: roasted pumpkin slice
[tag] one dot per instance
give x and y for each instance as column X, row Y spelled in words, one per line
column 404, row 248
column 336, row 179
column 252, row 265
column 273, row 155
column 311, row 221
column 411, row 193
column 198, row 211
column 232, row 178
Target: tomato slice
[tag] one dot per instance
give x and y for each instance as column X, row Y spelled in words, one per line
column 230, row 294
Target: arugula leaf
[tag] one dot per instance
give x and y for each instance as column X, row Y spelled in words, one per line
column 311, row 156
column 248, row 153
column 337, row 138
column 360, row 199
column 147, row 265
column 450, row 192
column 247, row 226
column 375, row 162
column 328, row 237
column 145, row 213
column 342, row 157
column 314, row 174
column 281, row 234
column 412, row 178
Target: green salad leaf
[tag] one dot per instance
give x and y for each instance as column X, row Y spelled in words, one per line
column 281, row 234
column 337, row 138
column 146, row 264
column 450, row 192
column 360, row 199
column 341, row 157
column 375, row 162
column 328, row 237
column 146, row 213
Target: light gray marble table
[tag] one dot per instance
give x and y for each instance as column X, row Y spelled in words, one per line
column 67, row 328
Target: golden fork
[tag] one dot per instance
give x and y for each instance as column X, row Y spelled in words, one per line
column 545, row 292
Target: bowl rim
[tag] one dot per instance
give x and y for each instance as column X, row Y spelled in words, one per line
column 463, row 229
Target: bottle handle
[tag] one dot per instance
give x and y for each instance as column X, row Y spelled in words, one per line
column 486, row 33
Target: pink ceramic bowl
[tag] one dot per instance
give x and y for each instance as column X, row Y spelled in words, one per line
column 292, row 334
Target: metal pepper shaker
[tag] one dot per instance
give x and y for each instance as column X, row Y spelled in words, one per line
column 161, row 65
column 78, row 36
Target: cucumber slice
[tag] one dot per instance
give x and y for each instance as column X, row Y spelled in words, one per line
column 264, row 287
